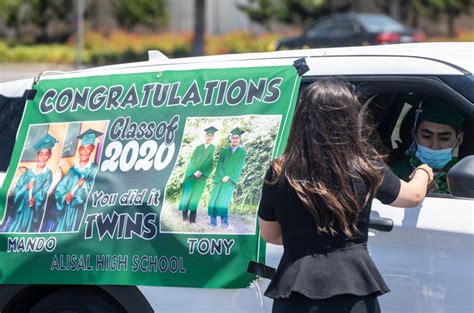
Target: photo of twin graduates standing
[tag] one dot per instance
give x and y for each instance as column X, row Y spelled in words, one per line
column 227, row 174
column 214, row 186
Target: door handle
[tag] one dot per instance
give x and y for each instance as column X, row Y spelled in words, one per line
column 381, row 223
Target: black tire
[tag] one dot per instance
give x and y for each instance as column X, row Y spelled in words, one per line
column 78, row 300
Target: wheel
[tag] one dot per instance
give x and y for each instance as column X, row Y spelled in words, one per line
column 78, row 300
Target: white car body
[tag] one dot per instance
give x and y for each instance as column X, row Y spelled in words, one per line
column 427, row 259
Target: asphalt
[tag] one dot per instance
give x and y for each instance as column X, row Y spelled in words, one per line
column 15, row 71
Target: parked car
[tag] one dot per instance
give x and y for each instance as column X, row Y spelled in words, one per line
column 427, row 259
column 352, row 29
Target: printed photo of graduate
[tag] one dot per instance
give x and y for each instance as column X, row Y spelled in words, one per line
column 199, row 169
column 28, row 191
column 215, row 184
column 78, row 168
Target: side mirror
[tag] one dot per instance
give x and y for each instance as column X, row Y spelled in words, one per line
column 461, row 178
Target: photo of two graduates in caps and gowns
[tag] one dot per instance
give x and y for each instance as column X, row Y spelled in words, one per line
column 40, row 201
column 226, row 174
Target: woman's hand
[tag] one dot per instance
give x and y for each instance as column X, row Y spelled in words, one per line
column 426, row 169
column 412, row 193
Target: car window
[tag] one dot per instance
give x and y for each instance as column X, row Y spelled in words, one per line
column 392, row 112
column 463, row 84
column 343, row 26
column 321, row 28
column 11, row 110
column 404, row 156
column 380, row 23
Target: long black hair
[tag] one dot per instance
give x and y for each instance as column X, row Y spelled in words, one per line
column 327, row 149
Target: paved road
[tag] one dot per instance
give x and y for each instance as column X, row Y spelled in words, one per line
column 14, row 71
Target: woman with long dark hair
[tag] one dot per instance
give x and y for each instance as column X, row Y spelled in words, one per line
column 316, row 202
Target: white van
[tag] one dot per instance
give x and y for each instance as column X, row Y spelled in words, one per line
column 427, row 259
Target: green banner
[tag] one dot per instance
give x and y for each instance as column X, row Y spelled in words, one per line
column 143, row 179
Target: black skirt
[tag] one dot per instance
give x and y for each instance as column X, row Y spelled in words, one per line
column 318, row 276
column 338, row 304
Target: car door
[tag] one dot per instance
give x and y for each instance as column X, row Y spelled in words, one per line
column 427, row 259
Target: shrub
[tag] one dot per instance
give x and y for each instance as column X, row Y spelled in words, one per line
column 120, row 46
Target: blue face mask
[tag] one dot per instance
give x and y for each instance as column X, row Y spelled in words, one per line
column 435, row 159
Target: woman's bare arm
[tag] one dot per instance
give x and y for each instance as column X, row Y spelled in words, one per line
column 413, row 192
column 271, row 231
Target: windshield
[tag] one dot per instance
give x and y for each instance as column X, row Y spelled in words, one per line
column 380, row 23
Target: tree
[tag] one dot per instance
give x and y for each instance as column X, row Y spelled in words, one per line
column 407, row 11
column 132, row 13
column 39, row 20
column 299, row 12
column 261, row 11
column 451, row 8
column 199, row 27
column 410, row 10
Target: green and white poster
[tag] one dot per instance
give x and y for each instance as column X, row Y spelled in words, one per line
column 143, row 178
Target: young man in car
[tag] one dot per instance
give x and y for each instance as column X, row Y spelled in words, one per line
column 228, row 169
column 198, row 171
column 72, row 191
column 437, row 133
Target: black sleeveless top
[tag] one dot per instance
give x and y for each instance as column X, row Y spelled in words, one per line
column 322, row 266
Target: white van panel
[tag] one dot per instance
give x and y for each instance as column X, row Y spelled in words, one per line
column 427, row 259
column 16, row 88
column 375, row 65
column 203, row 300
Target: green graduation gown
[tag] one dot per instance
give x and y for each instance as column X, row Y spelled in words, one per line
column 202, row 160
column 405, row 166
column 229, row 164
column 25, row 216
column 69, row 213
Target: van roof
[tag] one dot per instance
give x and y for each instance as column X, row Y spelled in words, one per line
column 448, row 58
column 458, row 55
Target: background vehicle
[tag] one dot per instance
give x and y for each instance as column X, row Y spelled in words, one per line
column 352, row 29
column 426, row 260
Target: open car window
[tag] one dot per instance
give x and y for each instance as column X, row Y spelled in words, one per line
column 400, row 139
column 392, row 111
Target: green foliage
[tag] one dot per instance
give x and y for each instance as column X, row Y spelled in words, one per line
column 261, row 11
column 121, row 47
column 300, row 12
column 35, row 21
column 8, row 10
column 434, row 9
column 449, row 6
column 39, row 53
column 452, row 9
column 130, row 13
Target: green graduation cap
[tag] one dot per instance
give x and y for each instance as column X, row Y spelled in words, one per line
column 211, row 130
column 88, row 137
column 45, row 142
column 237, row 131
column 439, row 111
